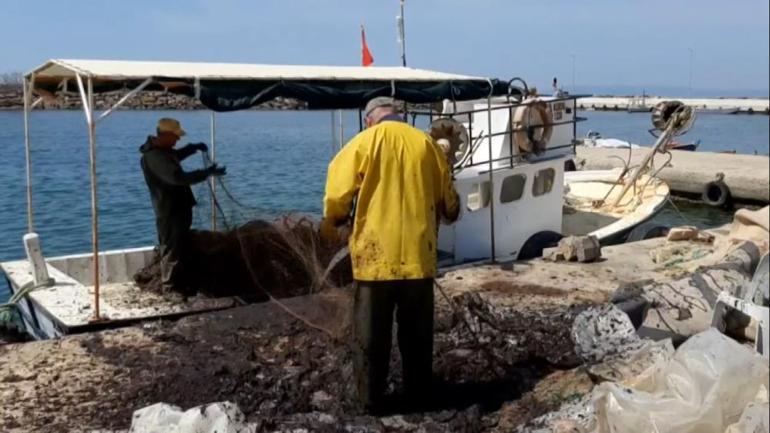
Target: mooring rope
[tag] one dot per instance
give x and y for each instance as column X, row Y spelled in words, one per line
column 270, row 297
column 22, row 292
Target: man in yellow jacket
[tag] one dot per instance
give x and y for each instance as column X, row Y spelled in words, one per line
column 401, row 185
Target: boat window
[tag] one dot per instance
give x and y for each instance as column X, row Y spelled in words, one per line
column 513, row 188
column 543, row 183
column 478, row 198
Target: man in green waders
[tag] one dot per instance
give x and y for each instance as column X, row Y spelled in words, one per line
column 402, row 186
column 172, row 197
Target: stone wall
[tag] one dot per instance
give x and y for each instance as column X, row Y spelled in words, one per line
column 12, row 99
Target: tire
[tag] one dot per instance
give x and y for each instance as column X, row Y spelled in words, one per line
column 647, row 231
column 535, row 245
column 569, row 165
column 717, row 194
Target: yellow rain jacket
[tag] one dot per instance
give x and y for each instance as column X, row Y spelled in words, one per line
column 403, row 186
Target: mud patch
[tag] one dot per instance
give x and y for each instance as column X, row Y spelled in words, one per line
column 511, row 288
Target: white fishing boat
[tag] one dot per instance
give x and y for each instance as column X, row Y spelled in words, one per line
column 595, row 139
column 638, row 104
column 508, row 147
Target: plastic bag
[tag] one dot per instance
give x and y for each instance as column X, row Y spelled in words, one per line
column 222, row 417
column 704, row 388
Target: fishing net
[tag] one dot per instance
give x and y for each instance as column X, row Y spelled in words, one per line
column 257, row 254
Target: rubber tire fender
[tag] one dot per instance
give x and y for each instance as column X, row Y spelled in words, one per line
column 534, row 246
column 716, row 193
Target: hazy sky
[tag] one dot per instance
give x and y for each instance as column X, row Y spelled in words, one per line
column 617, row 44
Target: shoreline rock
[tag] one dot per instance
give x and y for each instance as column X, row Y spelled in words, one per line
column 11, row 99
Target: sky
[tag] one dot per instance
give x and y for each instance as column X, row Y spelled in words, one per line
column 616, row 46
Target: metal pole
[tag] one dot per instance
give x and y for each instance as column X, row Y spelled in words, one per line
column 94, row 202
column 402, row 35
column 661, row 143
column 689, row 80
column 125, row 98
column 213, row 188
column 27, row 95
column 491, row 178
column 334, row 132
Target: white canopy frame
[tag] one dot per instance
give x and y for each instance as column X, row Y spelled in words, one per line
column 85, row 72
column 86, row 93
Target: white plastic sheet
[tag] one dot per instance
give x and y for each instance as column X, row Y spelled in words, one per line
column 222, row 417
column 705, row 387
column 755, row 419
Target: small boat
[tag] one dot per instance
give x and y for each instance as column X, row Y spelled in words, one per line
column 594, row 139
column 638, row 104
column 590, row 209
column 690, row 147
column 720, row 110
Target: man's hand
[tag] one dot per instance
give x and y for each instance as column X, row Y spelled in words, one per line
column 200, row 147
column 215, row 170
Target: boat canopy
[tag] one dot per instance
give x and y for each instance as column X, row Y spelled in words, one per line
column 235, row 86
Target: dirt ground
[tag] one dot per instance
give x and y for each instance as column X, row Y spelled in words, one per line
column 509, row 366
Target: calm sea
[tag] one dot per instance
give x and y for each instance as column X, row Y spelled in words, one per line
column 276, row 162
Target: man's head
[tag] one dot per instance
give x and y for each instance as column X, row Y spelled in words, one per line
column 378, row 108
column 169, row 131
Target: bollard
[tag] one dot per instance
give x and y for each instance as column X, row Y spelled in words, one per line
column 36, row 260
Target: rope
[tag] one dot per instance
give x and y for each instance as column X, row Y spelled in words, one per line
column 23, row 291
column 681, row 215
column 207, row 163
column 270, row 297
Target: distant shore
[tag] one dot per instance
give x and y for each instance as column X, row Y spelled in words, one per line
column 11, row 98
column 621, row 103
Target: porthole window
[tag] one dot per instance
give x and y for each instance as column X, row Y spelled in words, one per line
column 543, row 183
column 513, row 188
column 478, row 198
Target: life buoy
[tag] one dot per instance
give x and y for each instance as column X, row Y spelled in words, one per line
column 532, row 125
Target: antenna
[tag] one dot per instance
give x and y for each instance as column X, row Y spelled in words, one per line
column 401, row 37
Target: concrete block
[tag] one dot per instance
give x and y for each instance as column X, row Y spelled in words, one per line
column 689, row 233
column 553, row 254
column 583, row 249
column 683, row 233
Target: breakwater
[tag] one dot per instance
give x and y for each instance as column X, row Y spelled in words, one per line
column 12, row 99
column 621, row 103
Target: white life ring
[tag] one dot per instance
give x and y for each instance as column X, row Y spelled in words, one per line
column 532, row 125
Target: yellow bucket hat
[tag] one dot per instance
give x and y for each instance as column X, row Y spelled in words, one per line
column 170, row 125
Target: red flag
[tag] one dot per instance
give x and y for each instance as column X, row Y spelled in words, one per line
column 366, row 55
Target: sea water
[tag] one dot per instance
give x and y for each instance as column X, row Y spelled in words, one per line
column 276, row 163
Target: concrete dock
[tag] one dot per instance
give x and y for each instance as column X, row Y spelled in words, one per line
column 746, row 176
column 620, row 103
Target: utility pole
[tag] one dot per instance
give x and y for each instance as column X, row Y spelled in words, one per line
column 401, row 33
column 689, row 80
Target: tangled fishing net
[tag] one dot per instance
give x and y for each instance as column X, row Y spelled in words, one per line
column 256, row 256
